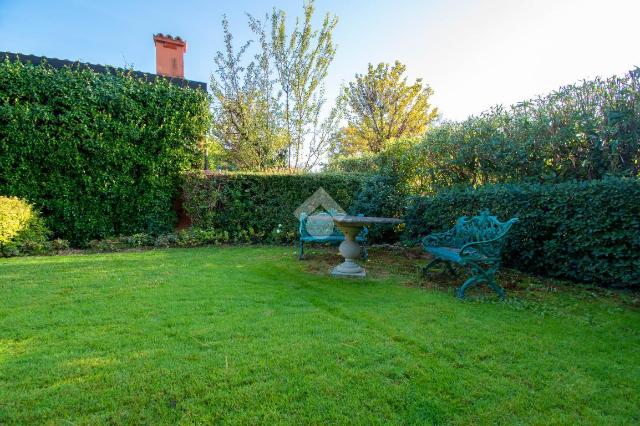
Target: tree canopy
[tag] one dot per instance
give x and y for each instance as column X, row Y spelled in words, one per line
column 268, row 111
column 382, row 105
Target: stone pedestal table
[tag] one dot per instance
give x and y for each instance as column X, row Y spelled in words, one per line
column 349, row 248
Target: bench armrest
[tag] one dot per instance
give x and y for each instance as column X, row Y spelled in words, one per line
column 438, row 239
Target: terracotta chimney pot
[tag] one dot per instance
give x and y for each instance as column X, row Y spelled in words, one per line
column 169, row 55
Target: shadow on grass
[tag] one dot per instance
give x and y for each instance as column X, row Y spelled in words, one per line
column 403, row 265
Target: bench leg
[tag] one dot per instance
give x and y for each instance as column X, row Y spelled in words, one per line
column 496, row 287
column 468, row 283
column 435, row 261
column 301, row 251
column 428, row 266
column 450, row 268
column 479, row 276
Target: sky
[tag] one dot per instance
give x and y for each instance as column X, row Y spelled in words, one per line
column 473, row 53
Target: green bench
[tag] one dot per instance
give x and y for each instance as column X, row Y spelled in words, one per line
column 475, row 243
column 320, row 228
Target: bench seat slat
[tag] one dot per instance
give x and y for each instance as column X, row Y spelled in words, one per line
column 446, row 253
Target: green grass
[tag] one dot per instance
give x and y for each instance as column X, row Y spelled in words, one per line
column 250, row 335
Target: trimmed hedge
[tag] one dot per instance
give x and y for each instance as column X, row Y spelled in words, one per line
column 259, row 206
column 380, row 196
column 97, row 154
column 583, row 231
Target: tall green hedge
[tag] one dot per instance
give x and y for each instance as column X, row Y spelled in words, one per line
column 260, row 206
column 584, row 231
column 97, row 154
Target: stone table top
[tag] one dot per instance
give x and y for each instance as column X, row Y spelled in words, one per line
column 365, row 220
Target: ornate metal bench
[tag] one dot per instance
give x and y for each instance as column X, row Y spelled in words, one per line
column 475, row 243
column 320, row 228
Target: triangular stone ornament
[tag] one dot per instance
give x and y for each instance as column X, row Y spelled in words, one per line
column 320, row 198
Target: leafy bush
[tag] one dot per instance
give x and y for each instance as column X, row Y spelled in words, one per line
column 380, row 196
column 580, row 132
column 98, row 154
column 192, row 237
column 197, row 237
column 57, row 245
column 585, row 231
column 22, row 230
column 259, row 207
column 362, row 163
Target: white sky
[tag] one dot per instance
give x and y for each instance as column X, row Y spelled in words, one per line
column 476, row 54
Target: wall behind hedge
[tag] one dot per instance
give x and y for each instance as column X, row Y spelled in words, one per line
column 260, row 206
column 584, row 231
column 98, row 154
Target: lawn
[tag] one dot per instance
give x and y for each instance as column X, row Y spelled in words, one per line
column 250, row 335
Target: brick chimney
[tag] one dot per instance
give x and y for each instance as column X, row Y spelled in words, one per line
column 169, row 55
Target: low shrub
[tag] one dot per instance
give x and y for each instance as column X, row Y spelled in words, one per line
column 583, row 231
column 22, row 230
column 192, row 237
column 57, row 245
column 259, row 207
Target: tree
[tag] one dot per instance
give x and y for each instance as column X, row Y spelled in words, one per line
column 301, row 60
column 381, row 106
column 270, row 112
column 245, row 112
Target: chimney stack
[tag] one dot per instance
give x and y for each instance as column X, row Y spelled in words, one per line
column 169, row 55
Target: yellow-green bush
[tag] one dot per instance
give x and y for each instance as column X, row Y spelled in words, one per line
column 22, row 230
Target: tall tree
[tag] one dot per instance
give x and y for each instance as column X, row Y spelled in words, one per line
column 270, row 112
column 380, row 106
column 246, row 114
column 301, row 60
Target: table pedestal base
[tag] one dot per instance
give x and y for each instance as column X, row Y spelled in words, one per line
column 349, row 268
column 350, row 250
